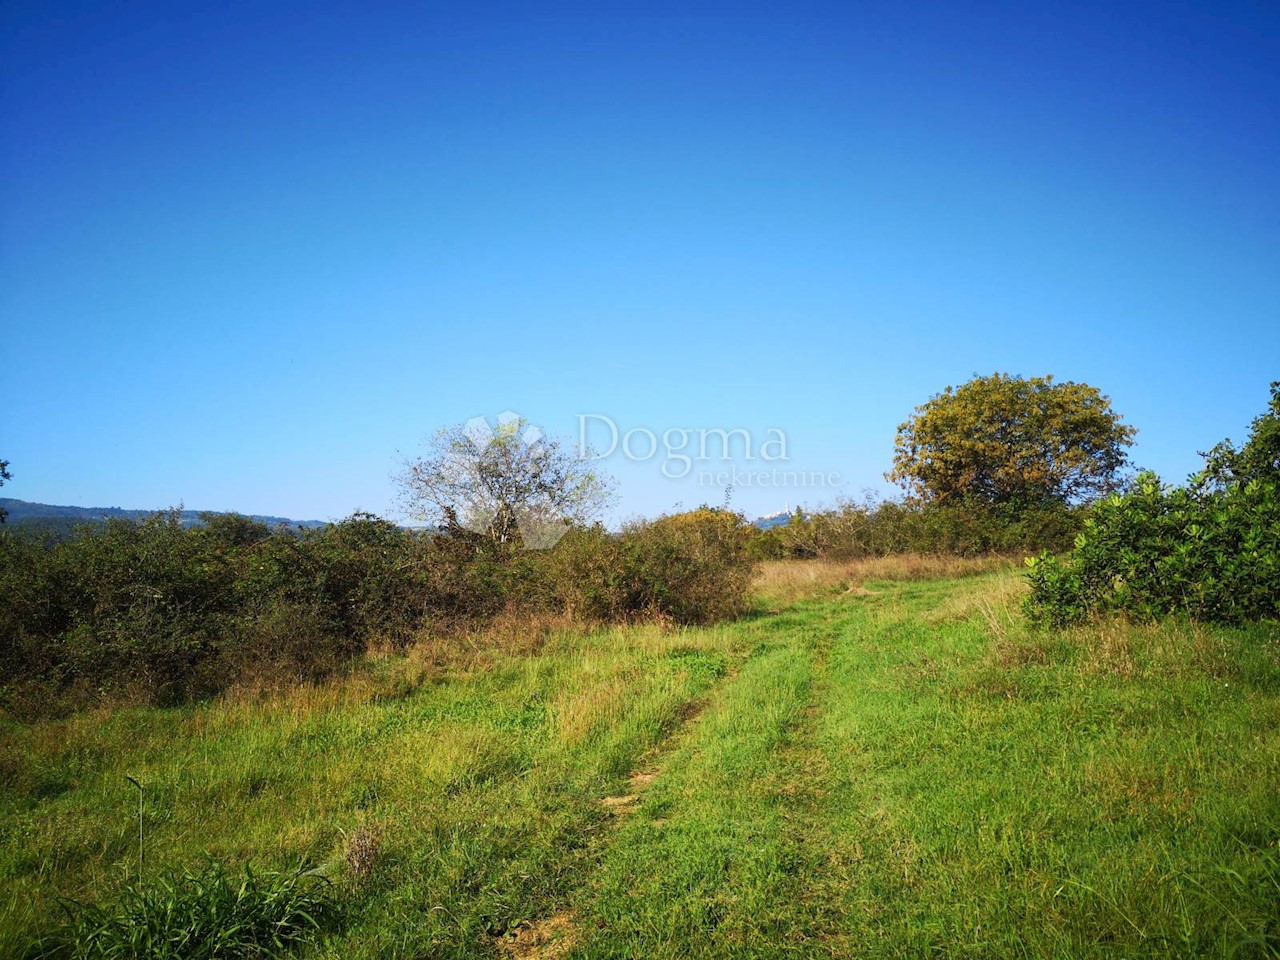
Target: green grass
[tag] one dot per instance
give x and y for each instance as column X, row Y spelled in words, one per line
column 899, row 770
column 207, row 914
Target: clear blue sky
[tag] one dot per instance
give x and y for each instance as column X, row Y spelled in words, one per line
column 251, row 251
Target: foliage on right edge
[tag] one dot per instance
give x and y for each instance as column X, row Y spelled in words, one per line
column 1210, row 549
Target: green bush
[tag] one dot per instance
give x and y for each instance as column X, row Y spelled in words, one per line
column 203, row 915
column 172, row 612
column 1212, row 554
column 1210, row 549
column 692, row 567
column 134, row 602
column 585, row 575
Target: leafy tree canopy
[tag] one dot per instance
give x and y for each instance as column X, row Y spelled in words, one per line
column 1012, row 441
column 1258, row 459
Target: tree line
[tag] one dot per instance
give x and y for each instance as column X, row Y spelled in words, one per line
column 1000, row 464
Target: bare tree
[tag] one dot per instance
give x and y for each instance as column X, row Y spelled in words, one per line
column 510, row 483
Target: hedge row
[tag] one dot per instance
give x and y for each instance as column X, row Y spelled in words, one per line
column 177, row 612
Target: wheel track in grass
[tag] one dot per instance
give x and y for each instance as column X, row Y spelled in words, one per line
column 654, row 761
column 556, row 935
column 791, row 784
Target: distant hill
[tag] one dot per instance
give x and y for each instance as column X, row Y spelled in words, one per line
column 780, row 519
column 25, row 513
column 64, row 518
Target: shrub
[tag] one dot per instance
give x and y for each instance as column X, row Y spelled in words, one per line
column 693, row 567
column 366, row 576
column 138, row 604
column 287, row 640
column 1214, row 555
column 586, row 577
column 1210, row 549
column 171, row 612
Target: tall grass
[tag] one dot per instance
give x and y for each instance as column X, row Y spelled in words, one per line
column 785, row 581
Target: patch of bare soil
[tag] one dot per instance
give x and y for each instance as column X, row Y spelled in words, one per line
column 642, row 778
column 651, row 765
column 637, row 783
column 620, row 804
column 547, row 939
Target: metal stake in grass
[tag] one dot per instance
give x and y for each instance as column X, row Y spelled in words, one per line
column 141, row 836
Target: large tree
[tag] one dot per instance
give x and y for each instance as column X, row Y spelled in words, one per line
column 511, row 483
column 1012, row 441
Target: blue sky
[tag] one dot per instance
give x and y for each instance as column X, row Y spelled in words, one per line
column 251, row 253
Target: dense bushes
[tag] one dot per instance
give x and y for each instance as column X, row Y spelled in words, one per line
column 1212, row 554
column 876, row 529
column 1210, row 549
column 172, row 612
column 689, row 567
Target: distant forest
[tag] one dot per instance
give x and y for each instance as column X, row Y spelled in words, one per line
column 54, row 518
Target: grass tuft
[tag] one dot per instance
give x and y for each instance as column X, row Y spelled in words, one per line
column 209, row 914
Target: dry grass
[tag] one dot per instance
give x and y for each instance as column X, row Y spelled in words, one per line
column 541, row 939
column 361, row 853
column 997, row 600
column 580, row 710
column 512, row 632
column 785, row 581
column 639, row 781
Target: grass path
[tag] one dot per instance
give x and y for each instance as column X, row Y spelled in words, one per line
column 894, row 771
column 885, row 780
column 714, row 850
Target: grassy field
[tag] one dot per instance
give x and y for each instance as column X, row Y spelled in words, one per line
column 882, row 761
